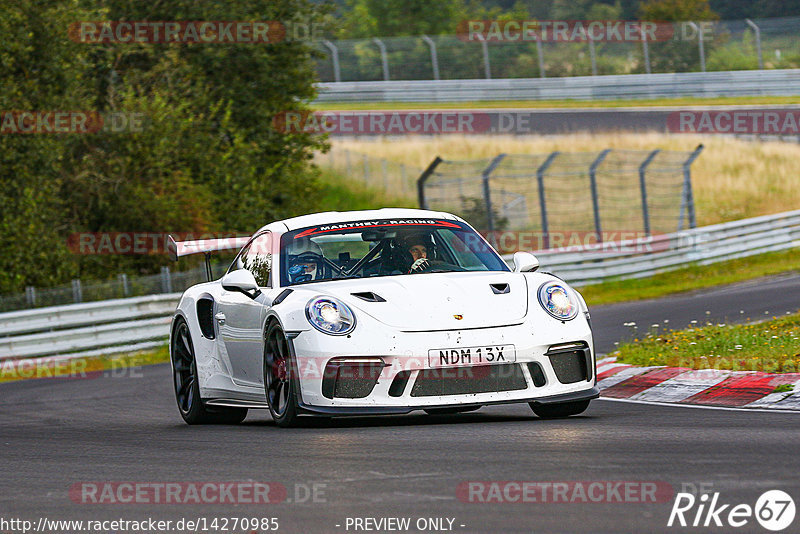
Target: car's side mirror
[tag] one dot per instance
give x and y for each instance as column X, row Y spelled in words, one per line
column 243, row 281
column 525, row 262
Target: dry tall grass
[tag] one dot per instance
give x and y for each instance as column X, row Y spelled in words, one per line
column 732, row 179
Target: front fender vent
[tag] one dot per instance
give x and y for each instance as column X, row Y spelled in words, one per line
column 205, row 317
column 369, row 296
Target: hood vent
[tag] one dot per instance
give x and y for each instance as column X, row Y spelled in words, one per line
column 500, row 289
column 369, row 296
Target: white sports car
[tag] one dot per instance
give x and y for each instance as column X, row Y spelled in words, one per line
column 377, row 312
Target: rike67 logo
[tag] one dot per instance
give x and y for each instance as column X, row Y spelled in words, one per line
column 774, row 510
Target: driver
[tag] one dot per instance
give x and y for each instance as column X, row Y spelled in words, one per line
column 303, row 255
column 418, row 246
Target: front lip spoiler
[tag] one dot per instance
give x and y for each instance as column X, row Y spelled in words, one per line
column 587, row 394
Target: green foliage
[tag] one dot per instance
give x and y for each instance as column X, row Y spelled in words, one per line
column 206, row 159
column 392, row 18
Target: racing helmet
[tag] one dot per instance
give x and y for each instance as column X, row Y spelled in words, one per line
column 305, row 260
column 411, row 239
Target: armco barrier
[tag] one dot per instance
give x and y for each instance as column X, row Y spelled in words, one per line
column 125, row 325
column 785, row 82
column 90, row 328
column 703, row 245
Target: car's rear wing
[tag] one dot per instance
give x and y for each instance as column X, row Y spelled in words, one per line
column 178, row 249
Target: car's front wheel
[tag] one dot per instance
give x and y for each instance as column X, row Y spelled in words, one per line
column 559, row 410
column 279, row 374
column 187, row 388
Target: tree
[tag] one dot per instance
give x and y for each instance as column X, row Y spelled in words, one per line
column 679, row 54
column 207, row 158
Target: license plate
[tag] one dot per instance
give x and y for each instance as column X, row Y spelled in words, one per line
column 464, row 356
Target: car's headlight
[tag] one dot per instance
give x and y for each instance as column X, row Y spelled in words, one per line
column 330, row 315
column 559, row 300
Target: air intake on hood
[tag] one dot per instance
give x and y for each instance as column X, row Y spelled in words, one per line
column 369, row 296
column 500, row 289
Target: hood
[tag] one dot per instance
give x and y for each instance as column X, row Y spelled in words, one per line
column 426, row 302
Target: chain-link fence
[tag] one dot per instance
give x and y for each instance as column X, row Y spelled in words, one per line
column 397, row 180
column 120, row 287
column 552, row 199
column 700, row 46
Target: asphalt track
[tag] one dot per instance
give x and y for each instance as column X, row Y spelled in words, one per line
column 56, row 433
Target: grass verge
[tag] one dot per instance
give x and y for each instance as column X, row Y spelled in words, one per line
column 339, row 194
column 543, row 104
column 770, row 346
column 692, row 278
column 81, row 368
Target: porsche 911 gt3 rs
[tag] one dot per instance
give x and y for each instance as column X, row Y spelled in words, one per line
column 376, row 312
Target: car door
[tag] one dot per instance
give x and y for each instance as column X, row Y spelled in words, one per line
column 240, row 317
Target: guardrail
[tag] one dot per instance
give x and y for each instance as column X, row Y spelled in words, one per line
column 784, row 82
column 648, row 256
column 126, row 325
column 119, row 325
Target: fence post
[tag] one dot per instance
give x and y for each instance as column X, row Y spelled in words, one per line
column 403, row 176
column 592, row 55
column 643, row 189
column 487, row 69
column 687, row 197
column 540, row 56
column 77, row 292
column 757, row 30
column 542, row 202
column 366, row 169
column 347, row 166
column 646, row 51
column 595, row 202
column 701, row 45
column 166, row 280
column 487, row 196
column 30, row 295
column 385, row 175
column 434, row 57
column 423, row 204
column 123, row 280
column 384, row 57
column 337, row 74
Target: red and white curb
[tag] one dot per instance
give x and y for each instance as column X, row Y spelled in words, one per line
column 709, row 387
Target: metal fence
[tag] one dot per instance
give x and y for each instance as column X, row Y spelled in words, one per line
column 560, row 195
column 724, row 45
column 120, row 287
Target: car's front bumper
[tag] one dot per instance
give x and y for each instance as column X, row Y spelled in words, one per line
column 408, row 352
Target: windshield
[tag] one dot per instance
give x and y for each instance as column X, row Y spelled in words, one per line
column 363, row 249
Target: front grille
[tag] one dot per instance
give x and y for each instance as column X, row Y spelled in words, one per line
column 465, row 380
